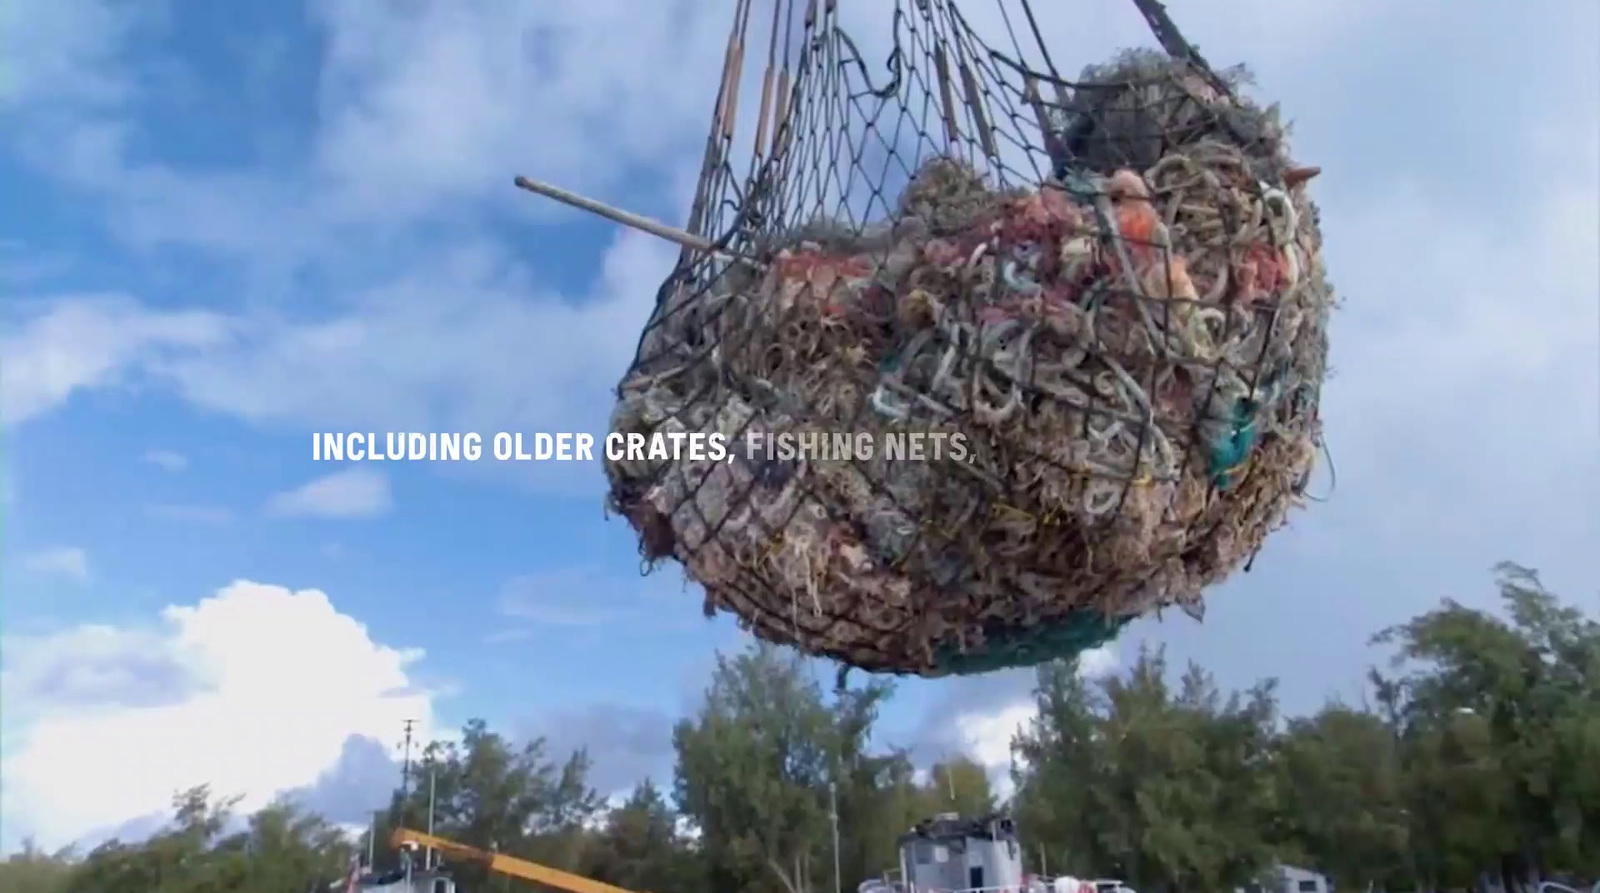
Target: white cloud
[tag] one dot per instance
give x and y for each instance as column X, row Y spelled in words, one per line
column 167, row 460
column 455, row 98
column 451, row 98
column 356, row 493
column 71, row 562
column 404, row 360
column 1097, row 663
column 400, row 360
column 84, row 342
column 64, row 50
column 253, row 690
column 986, row 735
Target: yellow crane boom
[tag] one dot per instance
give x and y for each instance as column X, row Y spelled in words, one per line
column 507, row 865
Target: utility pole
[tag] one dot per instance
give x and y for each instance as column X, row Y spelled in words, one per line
column 833, row 817
column 433, row 777
column 372, row 841
column 405, row 765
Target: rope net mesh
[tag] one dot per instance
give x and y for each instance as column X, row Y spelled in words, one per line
column 1096, row 306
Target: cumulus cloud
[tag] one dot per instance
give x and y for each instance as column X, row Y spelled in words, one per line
column 96, row 666
column 166, row 460
column 356, row 493
column 364, row 776
column 254, row 690
column 71, row 562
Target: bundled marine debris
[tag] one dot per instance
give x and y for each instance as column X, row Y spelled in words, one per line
column 1129, row 353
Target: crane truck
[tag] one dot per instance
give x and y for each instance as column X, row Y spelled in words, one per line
column 410, row 878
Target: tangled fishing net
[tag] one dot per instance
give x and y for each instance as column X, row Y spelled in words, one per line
column 1113, row 299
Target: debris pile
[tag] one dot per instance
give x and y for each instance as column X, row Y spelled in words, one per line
column 1130, row 356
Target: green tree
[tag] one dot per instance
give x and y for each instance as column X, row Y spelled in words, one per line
column 281, row 848
column 879, row 800
column 958, row 785
column 1060, row 764
column 1343, row 798
column 877, row 796
column 175, row 860
column 495, row 795
column 1499, row 713
column 1461, row 799
column 1165, row 788
column 285, row 848
column 641, row 848
column 32, row 870
column 754, row 766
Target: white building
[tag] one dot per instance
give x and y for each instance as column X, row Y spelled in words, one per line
column 1289, row 879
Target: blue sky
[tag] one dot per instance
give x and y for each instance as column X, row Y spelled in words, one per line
column 232, row 225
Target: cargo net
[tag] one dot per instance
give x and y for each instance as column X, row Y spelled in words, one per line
column 1096, row 305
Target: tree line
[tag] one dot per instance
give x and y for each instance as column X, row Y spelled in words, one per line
column 1475, row 755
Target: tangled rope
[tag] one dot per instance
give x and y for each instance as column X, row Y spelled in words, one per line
column 1131, row 354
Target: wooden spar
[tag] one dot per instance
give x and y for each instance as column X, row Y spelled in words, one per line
column 766, row 109
column 942, row 67
column 1052, row 140
column 767, row 83
column 969, row 86
column 626, row 218
column 733, row 69
column 781, row 117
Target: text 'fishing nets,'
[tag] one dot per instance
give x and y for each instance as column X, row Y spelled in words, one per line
column 1098, row 305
